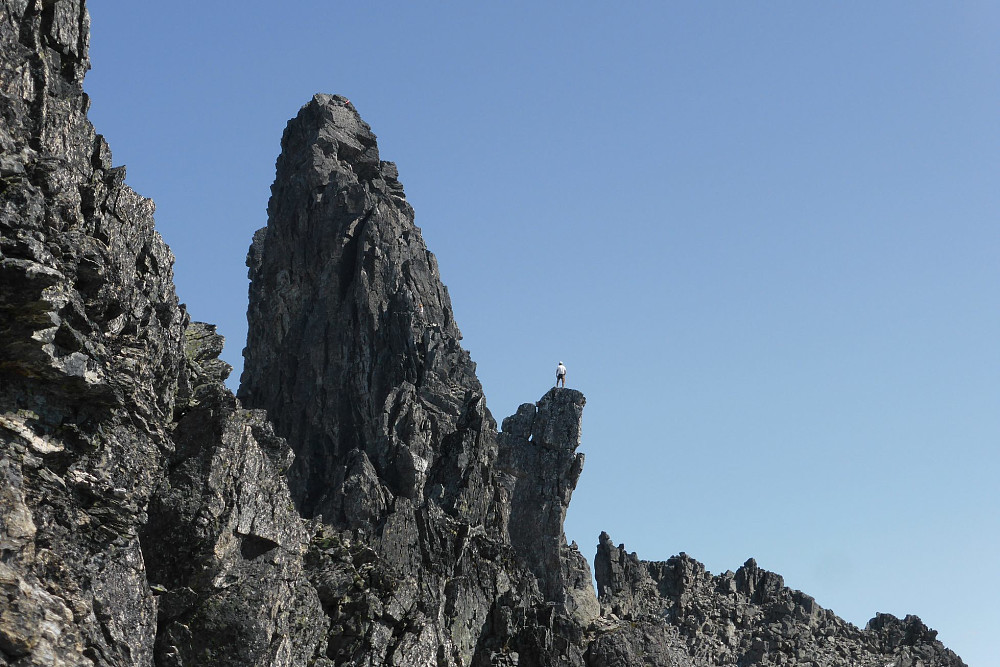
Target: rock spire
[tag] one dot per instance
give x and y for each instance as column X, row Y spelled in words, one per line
column 354, row 353
column 356, row 505
column 353, row 348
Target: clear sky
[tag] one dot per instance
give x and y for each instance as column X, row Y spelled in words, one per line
column 762, row 236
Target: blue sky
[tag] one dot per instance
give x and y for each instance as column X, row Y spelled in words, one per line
column 762, row 236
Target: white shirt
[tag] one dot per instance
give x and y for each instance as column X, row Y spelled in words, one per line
column 560, row 370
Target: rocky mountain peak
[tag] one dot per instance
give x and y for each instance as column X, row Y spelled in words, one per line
column 360, row 363
column 355, row 505
column 354, row 353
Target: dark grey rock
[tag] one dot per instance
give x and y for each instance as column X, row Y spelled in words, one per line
column 744, row 618
column 361, row 369
column 143, row 517
column 145, row 514
column 538, row 451
column 360, row 365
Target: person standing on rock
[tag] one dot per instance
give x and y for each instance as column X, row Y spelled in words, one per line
column 560, row 374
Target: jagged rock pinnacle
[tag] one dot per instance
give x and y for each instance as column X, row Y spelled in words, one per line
column 353, row 348
column 743, row 617
column 145, row 517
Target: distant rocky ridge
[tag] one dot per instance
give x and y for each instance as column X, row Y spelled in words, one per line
column 356, row 505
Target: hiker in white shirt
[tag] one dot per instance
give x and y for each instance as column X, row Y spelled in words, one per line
column 560, row 374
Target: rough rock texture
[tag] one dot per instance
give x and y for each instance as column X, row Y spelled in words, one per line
column 747, row 617
column 443, row 539
column 538, row 447
column 145, row 514
column 359, row 366
column 143, row 517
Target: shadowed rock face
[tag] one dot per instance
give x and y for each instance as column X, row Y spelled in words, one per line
column 354, row 352
column 353, row 348
column 538, row 448
column 145, row 516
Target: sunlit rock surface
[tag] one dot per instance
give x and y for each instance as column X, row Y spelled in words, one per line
column 144, row 517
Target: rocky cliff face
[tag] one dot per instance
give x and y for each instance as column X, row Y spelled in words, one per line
column 143, row 517
column 747, row 617
column 361, row 369
column 356, row 505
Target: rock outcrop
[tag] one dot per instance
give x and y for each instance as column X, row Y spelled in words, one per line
column 538, row 447
column 747, row 617
column 356, row 505
column 354, row 353
column 144, row 518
